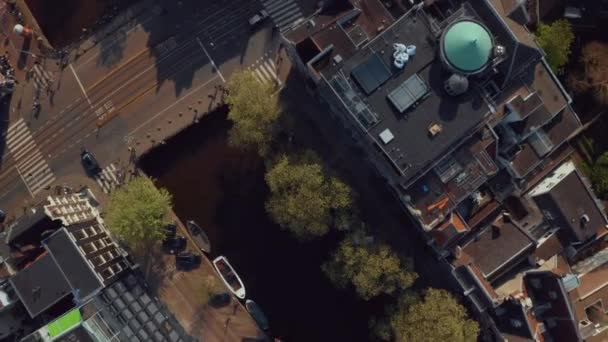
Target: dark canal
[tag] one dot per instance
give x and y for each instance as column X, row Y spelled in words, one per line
column 224, row 191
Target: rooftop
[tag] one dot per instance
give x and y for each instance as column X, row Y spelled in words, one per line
column 413, row 146
column 467, row 46
column 568, row 203
column 497, row 245
column 73, row 265
column 551, row 305
column 40, row 285
column 590, row 297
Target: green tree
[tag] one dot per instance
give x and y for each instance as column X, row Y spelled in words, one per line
column 435, row 317
column 599, row 175
column 253, row 110
column 136, row 213
column 594, row 75
column 372, row 268
column 556, row 39
column 306, row 201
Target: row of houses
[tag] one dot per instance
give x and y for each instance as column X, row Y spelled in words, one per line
column 64, row 278
column 458, row 110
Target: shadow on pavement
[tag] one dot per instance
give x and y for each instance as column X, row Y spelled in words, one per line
column 5, row 106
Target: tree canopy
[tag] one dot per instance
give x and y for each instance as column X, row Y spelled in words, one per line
column 372, row 268
column 306, row 201
column 137, row 211
column 599, row 175
column 556, row 40
column 435, row 317
column 594, row 76
column 253, row 110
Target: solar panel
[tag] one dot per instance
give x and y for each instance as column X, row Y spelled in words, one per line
column 408, row 92
column 371, row 74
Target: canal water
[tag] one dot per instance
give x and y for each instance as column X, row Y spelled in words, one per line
column 223, row 189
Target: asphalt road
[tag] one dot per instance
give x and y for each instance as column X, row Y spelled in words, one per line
column 165, row 63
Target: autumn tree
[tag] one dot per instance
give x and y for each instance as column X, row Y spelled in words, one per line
column 305, row 200
column 372, row 268
column 556, row 40
column 594, row 76
column 137, row 212
column 253, row 109
column 437, row 316
column 599, row 175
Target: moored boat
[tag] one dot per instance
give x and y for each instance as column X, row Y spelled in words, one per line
column 258, row 315
column 198, row 235
column 229, row 276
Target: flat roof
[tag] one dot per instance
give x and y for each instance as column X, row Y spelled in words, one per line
column 413, row 147
column 65, row 323
column 40, row 285
column 72, row 263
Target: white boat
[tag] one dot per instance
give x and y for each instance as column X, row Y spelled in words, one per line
column 198, row 235
column 229, row 276
column 258, row 315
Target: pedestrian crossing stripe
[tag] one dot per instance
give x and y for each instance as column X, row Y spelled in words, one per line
column 265, row 71
column 284, row 13
column 107, row 179
column 42, row 78
column 29, row 161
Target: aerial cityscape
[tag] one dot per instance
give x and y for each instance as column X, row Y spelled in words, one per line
column 303, row 170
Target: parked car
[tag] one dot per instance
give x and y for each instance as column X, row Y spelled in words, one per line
column 258, row 18
column 90, row 164
column 170, row 230
column 187, row 260
column 174, row 245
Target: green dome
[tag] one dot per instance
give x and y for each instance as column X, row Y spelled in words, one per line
column 467, row 46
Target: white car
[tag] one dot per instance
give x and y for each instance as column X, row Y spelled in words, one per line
column 258, row 18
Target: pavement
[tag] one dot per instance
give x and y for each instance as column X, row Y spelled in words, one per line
column 158, row 68
column 182, row 294
column 126, row 90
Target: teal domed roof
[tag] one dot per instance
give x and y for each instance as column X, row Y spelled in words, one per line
column 467, row 46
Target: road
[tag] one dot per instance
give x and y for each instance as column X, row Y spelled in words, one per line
column 133, row 88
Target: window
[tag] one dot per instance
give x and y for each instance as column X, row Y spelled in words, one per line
column 491, row 89
column 99, row 260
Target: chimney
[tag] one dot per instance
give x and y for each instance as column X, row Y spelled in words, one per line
column 457, row 252
column 584, row 220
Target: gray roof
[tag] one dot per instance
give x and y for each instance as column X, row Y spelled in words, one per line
column 133, row 315
column 566, row 203
column 40, row 285
column 413, row 147
column 72, row 263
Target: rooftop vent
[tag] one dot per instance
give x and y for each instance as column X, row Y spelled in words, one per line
column 516, row 323
column 435, row 129
column 456, row 85
column 402, row 54
column 386, row 136
column 499, row 50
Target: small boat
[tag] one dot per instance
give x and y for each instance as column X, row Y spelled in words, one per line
column 257, row 314
column 198, row 235
column 229, row 276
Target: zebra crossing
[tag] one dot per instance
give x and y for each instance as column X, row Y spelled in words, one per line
column 42, row 78
column 107, row 179
column 284, row 13
column 29, row 161
column 265, row 70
